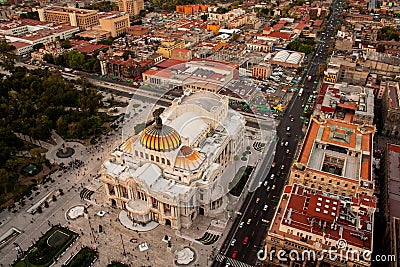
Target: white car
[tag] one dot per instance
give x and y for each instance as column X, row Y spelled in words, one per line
column 272, row 176
column 233, row 242
column 266, row 183
column 241, row 224
column 265, row 207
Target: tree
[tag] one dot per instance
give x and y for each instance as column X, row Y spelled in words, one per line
column 104, row 6
column 48, row 58
column 380, row 48
column 4, row 179
column 388, row 33
column 66, row 44
column 321, row 68
column 39, row 209
column 235, row 36
column 75, row 59
column 204, row 17
column 6, row 55
column 222, row 10
column 38, row 46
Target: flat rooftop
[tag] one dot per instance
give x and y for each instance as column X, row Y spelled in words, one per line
column 394, row 179
column 338, row 149
column 202, row 73
column 325, row 215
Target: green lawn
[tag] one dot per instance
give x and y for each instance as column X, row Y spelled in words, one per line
column 84, row 258
column 42, row 254
column 240, row 180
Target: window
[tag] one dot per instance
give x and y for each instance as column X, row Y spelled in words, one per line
column 136, row 153
column 157, row 158
column 338, row 183
column 151, row 157
column 162, row 160
column 141, row 154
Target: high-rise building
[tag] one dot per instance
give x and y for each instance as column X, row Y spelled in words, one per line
column 132, row 7
column 82, row 18
column 116, row 24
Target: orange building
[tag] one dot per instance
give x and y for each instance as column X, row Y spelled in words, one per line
column 214, row 26
column 191, row 9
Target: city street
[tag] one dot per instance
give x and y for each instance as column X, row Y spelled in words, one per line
column 250, row 228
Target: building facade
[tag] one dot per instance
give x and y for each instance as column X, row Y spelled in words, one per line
column 315, row 228
column 131, row 7
column 82, row 18
column 172, row 176
column 167, row 47
column 116, row 24
column 261, row 71
column 391, row 109
column 336, row 157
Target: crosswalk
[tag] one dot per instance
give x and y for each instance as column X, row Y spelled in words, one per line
column 233, row 262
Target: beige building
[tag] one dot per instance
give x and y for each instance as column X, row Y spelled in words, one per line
column 82, row 18
column 336, row 157
column 167, row 47
column 116, row 24
column 194, row 75
column 261, row 71
column 391, row 109
column 173, row 171
column 131, row 7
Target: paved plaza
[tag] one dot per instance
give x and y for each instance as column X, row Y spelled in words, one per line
column 116, row 242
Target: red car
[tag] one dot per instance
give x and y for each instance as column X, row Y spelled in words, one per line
column 246, row 240
column 234, row 254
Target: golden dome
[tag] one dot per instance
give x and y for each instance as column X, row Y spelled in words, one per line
column 188, row 158
column 160, row 137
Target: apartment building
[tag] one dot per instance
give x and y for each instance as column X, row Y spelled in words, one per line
column 77, row 17
column 261, row 71
column 131, row 7
column 115, row 22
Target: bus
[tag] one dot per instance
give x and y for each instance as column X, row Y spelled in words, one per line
column 301, row 92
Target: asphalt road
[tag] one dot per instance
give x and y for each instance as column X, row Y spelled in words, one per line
column 253, row 224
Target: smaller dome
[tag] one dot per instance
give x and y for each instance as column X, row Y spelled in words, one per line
column 189, row 159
